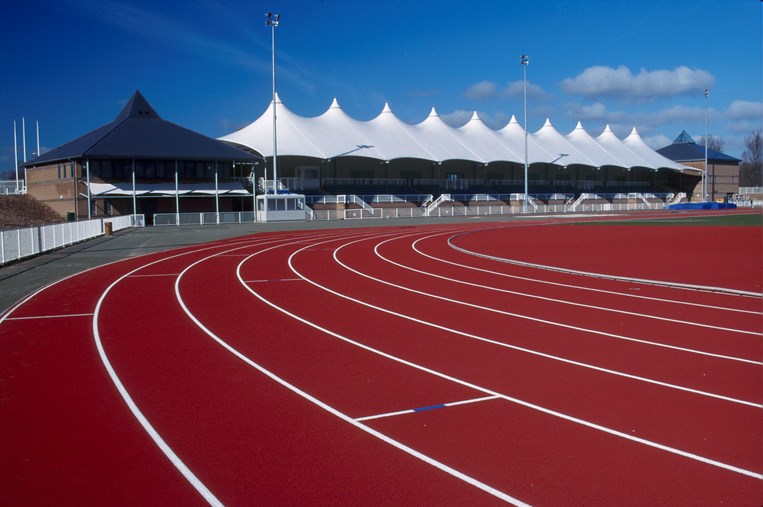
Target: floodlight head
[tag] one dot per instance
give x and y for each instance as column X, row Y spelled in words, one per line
column 272, row 19
column 524, row 59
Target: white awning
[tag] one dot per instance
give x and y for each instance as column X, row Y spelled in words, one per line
column 335, row 134
column 165, row 189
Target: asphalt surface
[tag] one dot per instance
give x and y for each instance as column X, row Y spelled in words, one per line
column 19, row 279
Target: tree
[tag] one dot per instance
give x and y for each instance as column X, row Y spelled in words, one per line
column 714, row 143
column 751, row 168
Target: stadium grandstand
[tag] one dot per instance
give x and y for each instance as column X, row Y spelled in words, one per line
column 389, row 162
column 334, row 166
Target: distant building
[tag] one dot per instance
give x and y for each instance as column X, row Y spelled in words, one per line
column 141, row 163
column 722, row 169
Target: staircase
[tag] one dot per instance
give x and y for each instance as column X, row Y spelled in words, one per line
column 434, row 204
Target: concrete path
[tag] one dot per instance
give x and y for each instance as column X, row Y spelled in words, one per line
column 19, row 279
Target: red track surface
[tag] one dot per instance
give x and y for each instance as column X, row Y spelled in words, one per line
column 282, row 369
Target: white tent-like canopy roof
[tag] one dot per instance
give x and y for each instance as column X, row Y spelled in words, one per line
column 335, row 134
column 443, row 141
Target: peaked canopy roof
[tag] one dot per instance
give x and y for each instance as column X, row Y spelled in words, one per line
column 139, row 132
column 335, row 134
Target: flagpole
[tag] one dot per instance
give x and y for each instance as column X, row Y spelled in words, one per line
column 23, row 139
column 16, row 155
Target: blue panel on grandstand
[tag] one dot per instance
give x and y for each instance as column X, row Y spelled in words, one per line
column 703, row 205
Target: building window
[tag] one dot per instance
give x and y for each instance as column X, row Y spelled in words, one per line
column 106, row 169
column 150, row 169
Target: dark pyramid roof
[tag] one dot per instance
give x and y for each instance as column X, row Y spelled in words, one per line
column 138, row 107
column 684, row 138
column 139, row 132
column 684, row 149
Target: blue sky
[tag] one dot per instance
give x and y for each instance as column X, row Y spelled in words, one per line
column 73, row 64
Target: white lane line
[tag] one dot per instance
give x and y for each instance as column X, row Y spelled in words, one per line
column 685, row 286
column 576, row 287
column 159, row 275
column 532, row 351
column 542, row 321
column 51, row 316
column 490, row 392
column 275, row 280
column 556, row 300
column 473, row 400
column 423, row 409
column 194, row 481
column 346, row 418
column 514, row 347
column 387, row 414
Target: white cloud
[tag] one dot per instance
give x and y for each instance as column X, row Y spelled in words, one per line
column 658, row 141
column 486, row 90
column 596, row 112
column 457, row 118
column 460, row 117
column 689, row 115
column 744, row 110
column 495, row 121
column 482, row 90
column 620, row 82
column 640, row 118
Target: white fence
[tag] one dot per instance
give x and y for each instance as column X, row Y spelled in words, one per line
column 750, row 196
column 12, row 187
column 484, row 210
column 225, row 217
column 20, row 243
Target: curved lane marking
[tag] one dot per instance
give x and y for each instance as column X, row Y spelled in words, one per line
column 485, row 390
column 578, row 287
column 562, row 301
column 521, row 349
column 137, row 413
column 344, row 417
column 686, row 286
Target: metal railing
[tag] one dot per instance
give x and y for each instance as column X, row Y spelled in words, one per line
column 12, row 187
column 204, row 218
column 18, row 244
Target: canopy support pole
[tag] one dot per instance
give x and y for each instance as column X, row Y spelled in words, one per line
column 177, row 196
column 89, row 201
column 254, row 192
column 134, row 191
column 217, row 197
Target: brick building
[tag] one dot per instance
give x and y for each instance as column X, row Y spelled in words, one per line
column 141, row 163
column 722, row 169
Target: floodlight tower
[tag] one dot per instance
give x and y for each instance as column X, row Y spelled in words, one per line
column 272, row 22
column 524, row 60
column 704, row 175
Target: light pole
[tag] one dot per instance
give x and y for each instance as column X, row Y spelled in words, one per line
column 524, row 60
column 272, row 22
column 16, row 156
column 704, row 177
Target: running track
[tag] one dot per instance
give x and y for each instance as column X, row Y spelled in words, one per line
column 400, row 365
